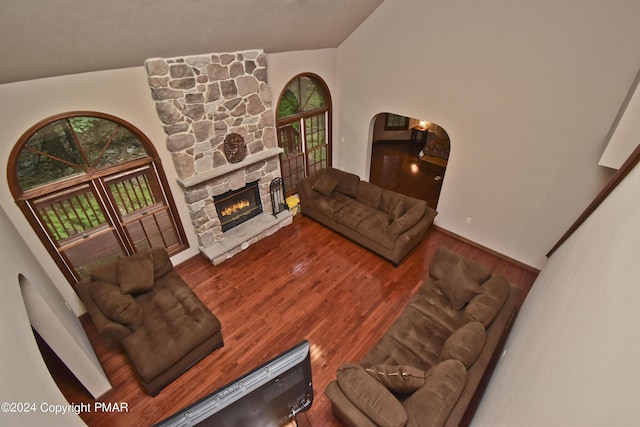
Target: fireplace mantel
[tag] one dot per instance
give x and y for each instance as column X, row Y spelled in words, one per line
column 228, row 168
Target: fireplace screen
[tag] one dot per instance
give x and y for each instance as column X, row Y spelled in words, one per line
column 237, row 206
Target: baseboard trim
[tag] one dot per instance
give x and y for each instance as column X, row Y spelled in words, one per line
column 489, row 250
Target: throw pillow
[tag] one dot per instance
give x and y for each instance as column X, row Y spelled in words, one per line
column 119, row 307
column 370, row 397
column 465, row 344
column 325, row 184
column 397, row 209
column 458, row 286
column 398, row 378
column 135, row 273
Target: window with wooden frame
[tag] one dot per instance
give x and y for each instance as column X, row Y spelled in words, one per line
column 93, row 188
column 396, row 122
column 304, row 129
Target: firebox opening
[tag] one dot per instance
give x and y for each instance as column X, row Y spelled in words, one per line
column 237, row 206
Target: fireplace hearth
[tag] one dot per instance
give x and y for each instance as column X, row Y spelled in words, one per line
column 237, row 206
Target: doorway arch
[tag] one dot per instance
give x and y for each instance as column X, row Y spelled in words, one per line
column 409, row 155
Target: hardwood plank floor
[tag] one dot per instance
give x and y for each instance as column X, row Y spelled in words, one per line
column 395, row 166
column 304, row 282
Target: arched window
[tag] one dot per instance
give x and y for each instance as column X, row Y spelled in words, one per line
column 304, row 128
column 92, row 187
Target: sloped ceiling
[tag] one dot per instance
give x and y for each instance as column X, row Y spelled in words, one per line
column 44, row 38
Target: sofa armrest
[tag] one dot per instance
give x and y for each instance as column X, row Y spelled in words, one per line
column 370, row 396
column 103, row 324
column 344, row 410
column 305, row 189
column 410, row 218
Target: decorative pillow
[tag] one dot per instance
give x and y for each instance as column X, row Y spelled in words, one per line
column 486, row 306
column 397, row 209
column 325, row 184
column 370, row 397
column 117, row 306
column 135, row 273
column 465, row 344
column 398, row 378
column 444, row 260
column 458, row 286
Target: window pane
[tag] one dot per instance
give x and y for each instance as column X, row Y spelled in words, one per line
column 71, row 213
column 49, row 155
column 311, row 94
column 92, row 251
column 125, row 147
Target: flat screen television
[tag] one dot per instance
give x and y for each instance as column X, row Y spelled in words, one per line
column 270, row 395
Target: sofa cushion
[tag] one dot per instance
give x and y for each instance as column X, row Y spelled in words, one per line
column 458, row 286
column 176, row 322
column 408, row 219
column 375, row 227
column 353, row 213
column 136, row 273
column 485, row 306
column 444, row 260
column 325, row 184
column 432, row 404
column 119, row 307
column 370, row 396
column 369, row 194
column 398, row 378
column 347, row 182
column 465, row 344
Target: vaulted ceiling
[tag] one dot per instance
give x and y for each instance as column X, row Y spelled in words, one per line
column 44, row 38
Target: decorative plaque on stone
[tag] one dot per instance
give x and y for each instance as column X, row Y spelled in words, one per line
column 235, row 150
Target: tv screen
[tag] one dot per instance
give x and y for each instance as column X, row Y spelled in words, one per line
column 270, row 395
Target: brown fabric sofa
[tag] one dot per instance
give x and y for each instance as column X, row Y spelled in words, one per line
column 143, row 304
column 429, row 366
column 383, row 221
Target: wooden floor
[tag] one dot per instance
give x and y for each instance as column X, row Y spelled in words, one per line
column 304, row 282
column 395, row 166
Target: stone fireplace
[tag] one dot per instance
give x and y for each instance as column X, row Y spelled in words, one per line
column 202, row 101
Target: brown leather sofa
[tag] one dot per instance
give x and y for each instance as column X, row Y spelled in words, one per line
column 140, row 302
column 383, row 221
column 432, row 364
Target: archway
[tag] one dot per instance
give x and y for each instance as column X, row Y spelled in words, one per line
column 409, row 156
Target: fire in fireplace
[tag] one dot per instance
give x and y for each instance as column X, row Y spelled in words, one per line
column 237, row 206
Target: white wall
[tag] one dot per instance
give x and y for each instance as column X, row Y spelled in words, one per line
column 572, row 356
column 625, row 135
column 527, row 92
column 282, row 67
column 25, row 377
